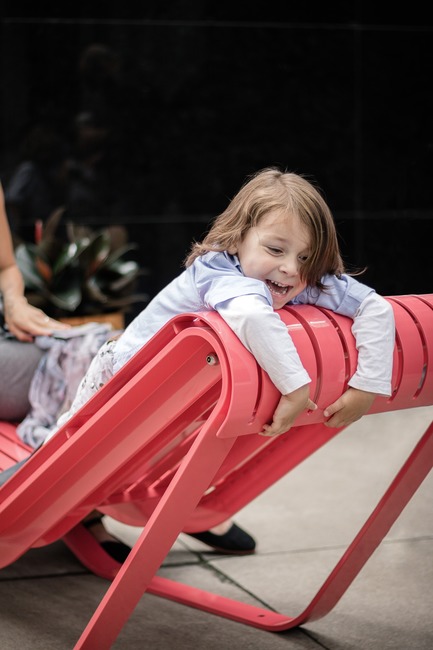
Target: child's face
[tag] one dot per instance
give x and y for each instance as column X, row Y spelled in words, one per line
column 274, row 252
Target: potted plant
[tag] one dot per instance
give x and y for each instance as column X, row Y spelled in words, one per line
column 82, row 274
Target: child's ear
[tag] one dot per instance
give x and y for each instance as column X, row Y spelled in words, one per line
column 232, row 250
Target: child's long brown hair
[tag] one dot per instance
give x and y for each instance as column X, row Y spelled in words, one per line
column 271, row 190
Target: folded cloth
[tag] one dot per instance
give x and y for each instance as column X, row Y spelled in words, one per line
column 57, row 377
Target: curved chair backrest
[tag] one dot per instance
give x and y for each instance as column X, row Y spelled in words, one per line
column 327, row 349
column 169, row 444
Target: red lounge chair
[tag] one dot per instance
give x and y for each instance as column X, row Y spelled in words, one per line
column 169, row 444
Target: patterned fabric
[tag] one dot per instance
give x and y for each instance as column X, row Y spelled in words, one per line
column 57, row 377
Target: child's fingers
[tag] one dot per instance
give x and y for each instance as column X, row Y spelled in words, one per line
column 333, row 408
column 275, row 429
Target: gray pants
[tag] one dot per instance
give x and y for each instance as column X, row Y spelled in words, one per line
column 18, row 362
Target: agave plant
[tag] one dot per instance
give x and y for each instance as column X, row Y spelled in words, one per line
column 84, row 272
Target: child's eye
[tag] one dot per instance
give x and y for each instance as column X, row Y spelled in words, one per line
column 274, row 251
column 303, row 258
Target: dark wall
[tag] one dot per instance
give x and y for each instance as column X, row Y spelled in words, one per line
column 186, row 99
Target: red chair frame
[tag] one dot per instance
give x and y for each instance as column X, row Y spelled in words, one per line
column 169, row 445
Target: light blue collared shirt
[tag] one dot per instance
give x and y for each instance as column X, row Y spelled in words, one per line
column 216, row 278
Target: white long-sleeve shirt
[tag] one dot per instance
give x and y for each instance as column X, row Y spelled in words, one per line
column 215, row 282
column 373, row 328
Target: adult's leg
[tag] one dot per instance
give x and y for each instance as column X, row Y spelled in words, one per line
column 18, row 362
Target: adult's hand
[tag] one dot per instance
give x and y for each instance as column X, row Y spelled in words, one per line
column 25, row 321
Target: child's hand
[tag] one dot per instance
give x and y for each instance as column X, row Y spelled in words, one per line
column 288, row 409
column 348, row 408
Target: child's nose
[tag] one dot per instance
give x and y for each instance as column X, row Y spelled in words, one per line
column 289, row 266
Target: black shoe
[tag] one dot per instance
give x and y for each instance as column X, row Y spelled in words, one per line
column 115, row 548
column 234, row 542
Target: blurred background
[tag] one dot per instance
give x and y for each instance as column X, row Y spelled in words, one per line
column 151, row 116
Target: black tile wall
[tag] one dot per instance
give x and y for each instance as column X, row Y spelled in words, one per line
column 182, row 101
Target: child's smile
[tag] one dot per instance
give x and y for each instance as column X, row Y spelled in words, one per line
column 277, row 288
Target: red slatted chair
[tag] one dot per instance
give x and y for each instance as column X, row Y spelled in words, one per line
column 169, row 445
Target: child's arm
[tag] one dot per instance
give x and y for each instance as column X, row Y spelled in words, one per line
column 374, row 331
column 265, row 335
